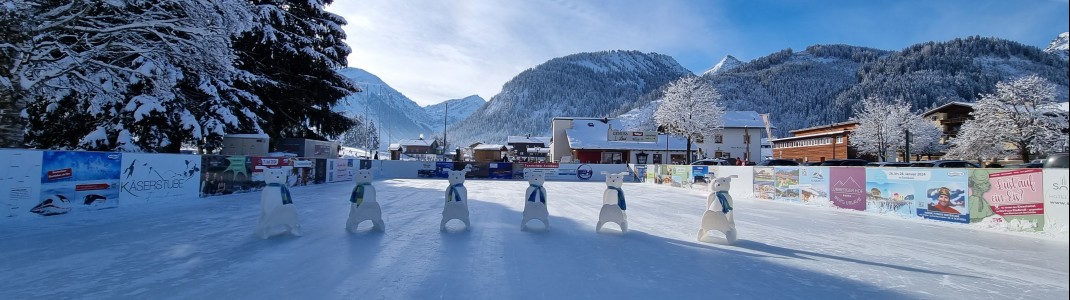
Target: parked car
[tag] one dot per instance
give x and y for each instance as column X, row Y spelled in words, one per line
column 1026, row 165
column 1057, row 160
column 778, row 162
column 844, row 162
column 944, row 164
column 711, row 162
column 888, row 164
column 811, row 163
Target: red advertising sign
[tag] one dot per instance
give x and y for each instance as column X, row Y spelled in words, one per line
column 91, row 187
column 59, row 174
column 541, row 165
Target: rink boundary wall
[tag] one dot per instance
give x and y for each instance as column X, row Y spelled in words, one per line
column 78, row 181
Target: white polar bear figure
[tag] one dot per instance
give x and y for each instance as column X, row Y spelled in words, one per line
column 276, row 206
column 719, row 215
column 363, row 205
column 613, row 204
column 535, row 201
column 456, row 201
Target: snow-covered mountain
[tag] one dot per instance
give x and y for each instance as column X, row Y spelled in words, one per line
column 459, row 109
column 599, row 84
column 1059, row 45
column 824, row 83
column 727, row 63
column 399, row 117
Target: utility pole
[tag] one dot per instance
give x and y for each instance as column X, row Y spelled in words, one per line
column 445, row 117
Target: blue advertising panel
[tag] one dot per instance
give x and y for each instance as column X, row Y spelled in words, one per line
column 78, row 180
column 938, row 194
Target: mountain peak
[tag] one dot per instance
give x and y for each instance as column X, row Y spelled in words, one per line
column 1059, row 45
column 459, row 109
column 727, row 63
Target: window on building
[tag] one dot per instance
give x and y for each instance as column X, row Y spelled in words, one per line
column 839, row 140
column 718, row 138
column 657, row 158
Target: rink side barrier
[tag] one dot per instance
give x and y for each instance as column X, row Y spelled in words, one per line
column 1007, row 199
column 48, row 183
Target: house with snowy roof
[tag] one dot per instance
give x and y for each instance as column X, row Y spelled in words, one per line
column 529, row 148
column 418, row 149
column 741, row 138
column 603, row 140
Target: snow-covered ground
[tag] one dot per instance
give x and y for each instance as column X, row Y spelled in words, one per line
column 203, row 248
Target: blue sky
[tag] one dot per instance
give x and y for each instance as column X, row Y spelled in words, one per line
column 437, row 50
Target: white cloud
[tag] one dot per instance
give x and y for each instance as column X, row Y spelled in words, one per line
column 438, row 50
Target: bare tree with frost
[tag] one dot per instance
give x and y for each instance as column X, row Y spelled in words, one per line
column 691, row 108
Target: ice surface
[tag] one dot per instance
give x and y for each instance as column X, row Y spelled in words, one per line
column 203, row 249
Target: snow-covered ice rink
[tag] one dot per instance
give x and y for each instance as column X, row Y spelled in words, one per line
column 204, row 248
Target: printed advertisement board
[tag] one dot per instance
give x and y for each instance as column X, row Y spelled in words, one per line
column 78, row 181
column 764, row 183
column 339, row 170
column 159, row 177
column 786, row 184
column 221, row 175
column 938, row 194
column 1056, row 218
column 814, row 186
column 1013, row 200
column 847, row 187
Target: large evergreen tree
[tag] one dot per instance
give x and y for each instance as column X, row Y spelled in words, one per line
column 125, row 75
column 290, row 58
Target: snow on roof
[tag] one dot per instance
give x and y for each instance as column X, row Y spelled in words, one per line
column 941, row 107
column 594, row 134
column 515, row 139
column 247, row 135
column 741, row 119
column 488, row 147
column 419, row 142
column 824, row 126
column 394, row 147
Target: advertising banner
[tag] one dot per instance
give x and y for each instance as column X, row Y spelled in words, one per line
column 938, row 194
column 632, row 136
column 79, row 181
column 501, row 170
column 641, row 173
column 546, row 169
column 786, row 185
column 1056, row 218
column 814, row 186
column 680, row 175
column 1013, row 199
column 159, row 177
column 222, row 175
column 261, row 163
column 764, row 179
column 847, row 187
column 303, row 172
column 20, row 184
column 699, row 173
column 339, row 170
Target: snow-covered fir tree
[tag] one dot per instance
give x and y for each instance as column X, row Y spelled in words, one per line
column 883, row 126
column 123, row 75
column 1021, row 112
column 691, row 108
column 363, row 135
column 291, row 58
